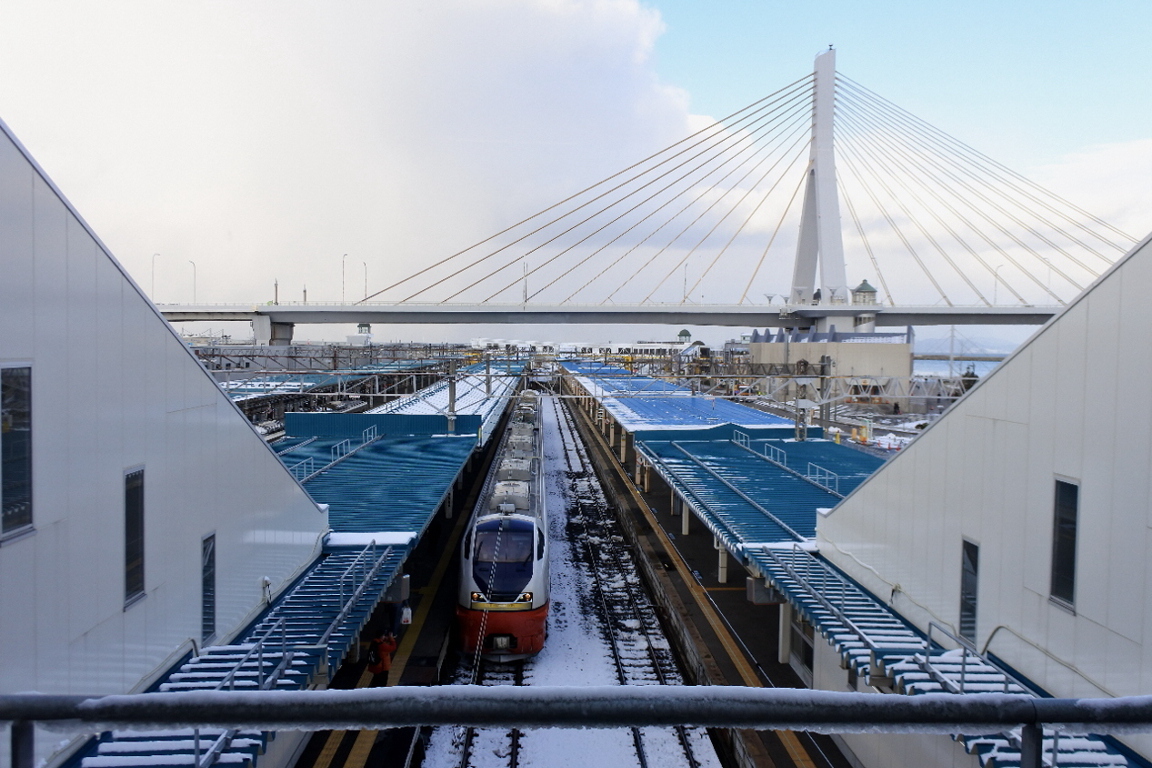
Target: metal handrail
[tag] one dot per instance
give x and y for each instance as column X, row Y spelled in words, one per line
column 225, row 738
column 824, row 477
column 304, row 469
column 787, row 528
column 775, row 453
column 287, row 451
column 336, row 461
column 340, row 450
column 818, row 595
column 787, row 468
column 348, row 605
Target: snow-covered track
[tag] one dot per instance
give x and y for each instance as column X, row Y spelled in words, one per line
column 494, row 673
column 628, row 619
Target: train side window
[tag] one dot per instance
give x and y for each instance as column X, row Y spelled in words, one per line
column 539, row 544
column 468, row 546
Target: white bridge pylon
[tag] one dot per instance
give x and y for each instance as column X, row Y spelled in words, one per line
column 821, row 241
column 723, row 216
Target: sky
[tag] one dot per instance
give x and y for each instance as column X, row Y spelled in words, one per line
column 262, row 141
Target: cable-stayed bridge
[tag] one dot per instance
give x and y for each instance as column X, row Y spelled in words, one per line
column 785, row 213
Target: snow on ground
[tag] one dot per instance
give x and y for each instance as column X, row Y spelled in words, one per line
column 577, row 653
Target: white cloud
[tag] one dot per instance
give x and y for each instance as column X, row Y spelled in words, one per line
column 1111, row 181
column 265, row 139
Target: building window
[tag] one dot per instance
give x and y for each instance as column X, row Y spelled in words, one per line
column 969, row 574
column 133, row 536
column 15, row 449
column 208, row 588
column 1067, row 504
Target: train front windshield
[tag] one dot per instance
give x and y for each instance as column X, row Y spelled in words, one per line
column 502, row 559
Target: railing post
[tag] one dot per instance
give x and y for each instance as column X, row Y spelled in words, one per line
column 1031, row 746
column 23, row 735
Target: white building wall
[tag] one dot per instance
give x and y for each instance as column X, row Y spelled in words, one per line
column 1074, row 404
column 848, row 358
column 113, row 387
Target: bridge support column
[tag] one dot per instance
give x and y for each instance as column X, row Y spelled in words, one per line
column 270, row 334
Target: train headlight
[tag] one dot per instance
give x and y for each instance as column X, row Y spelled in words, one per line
column 478, row 597
column 525, row 597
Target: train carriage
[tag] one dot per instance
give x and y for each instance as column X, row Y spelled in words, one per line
column 503, row 601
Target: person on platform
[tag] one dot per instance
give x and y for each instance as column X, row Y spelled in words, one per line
column 380, row 652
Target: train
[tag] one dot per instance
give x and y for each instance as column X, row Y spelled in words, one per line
column 502, row 610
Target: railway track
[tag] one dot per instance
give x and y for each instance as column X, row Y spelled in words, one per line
column 505, row 744
column 640, row 652
column 603, row 629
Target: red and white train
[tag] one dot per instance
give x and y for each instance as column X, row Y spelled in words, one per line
column 503, row 601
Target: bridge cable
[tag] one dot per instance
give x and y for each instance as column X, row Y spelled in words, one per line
column 888, row 217
column 643, row 219
column 931, row 189
column 864, row 237
column 744, row 224
column 934, row 159
column 888, row 113
column 863, row 156
column 930, row 129
column 964, row 168
column 575, row 195
column 520, row 257
column 692, row 250
column 716, row 128
column 796, row 129
column 776, row 231
column 700, row 195
column 908, row 213
column 676, row 238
